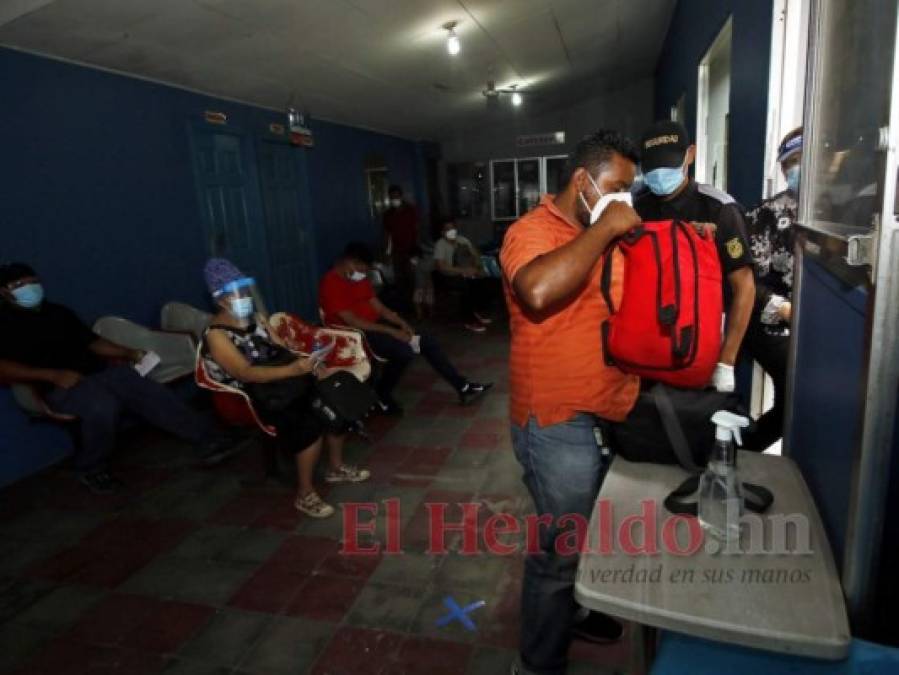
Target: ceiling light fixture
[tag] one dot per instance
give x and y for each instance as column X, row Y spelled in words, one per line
column 453, row 46
column 516, row 97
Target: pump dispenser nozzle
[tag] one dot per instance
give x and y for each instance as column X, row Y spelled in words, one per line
column 728, row 425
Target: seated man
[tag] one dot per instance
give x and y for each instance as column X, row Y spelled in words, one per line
column 46, row 344
column 347, row 298
column 458, row 266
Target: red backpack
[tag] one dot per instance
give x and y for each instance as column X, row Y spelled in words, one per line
column 668, row 325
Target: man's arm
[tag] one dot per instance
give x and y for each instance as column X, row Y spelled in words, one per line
column 354, row 321
column 13, row 371
column 389, row 315
column 742, row 284
column 556, row 275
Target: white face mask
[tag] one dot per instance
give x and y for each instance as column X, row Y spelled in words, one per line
column 451, row 234
column 355, row 275
column 604, row 200
column 396, row 203
column 241, row 308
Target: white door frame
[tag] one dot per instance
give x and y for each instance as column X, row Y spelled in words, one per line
column 703, row 151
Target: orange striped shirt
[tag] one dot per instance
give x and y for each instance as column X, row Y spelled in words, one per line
column 556, row 365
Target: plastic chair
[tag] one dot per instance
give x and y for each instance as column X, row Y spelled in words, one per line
column 176, row 350
column 29, row 399
column 231, row 404
column 349, row 351
column 179, row 317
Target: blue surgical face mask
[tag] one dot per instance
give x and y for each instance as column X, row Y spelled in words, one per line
column 242, row 308
column 29, row 296
column 665, row 180
column 792, row 176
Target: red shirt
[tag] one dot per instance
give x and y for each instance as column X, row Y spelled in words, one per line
column 402, row 225
column 338, row 294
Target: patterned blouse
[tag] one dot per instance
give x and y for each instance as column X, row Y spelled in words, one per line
column 771, row 238
column 254, row 342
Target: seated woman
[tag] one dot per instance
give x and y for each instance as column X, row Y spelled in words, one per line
column 236, row 348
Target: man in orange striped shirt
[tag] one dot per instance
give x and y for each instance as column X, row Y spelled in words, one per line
column 559, row 381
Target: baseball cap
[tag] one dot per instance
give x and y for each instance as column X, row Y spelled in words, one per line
column 664, row 144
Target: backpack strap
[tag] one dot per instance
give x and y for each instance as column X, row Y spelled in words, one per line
column 668, row 298
column 605, row 279
column 673, row 429
column 683, row 499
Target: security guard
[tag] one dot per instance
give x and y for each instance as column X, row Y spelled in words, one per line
column 666, row 154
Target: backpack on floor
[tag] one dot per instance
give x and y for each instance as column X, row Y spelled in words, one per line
column 667, row 326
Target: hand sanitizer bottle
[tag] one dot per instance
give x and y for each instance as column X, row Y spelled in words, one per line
column 720, row 493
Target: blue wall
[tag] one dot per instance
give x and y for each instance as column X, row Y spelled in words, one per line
column 339, row 191
column 97, row 192
column 694, row 26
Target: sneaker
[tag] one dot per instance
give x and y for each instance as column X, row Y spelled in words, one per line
column 597, row 627
column 388, row 408
column 472, row 391
column 475, row 327
column 101, row 483
column 314, row 506
column 486, row 320
column 347, row 473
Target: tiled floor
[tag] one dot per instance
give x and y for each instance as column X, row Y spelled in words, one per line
column 210, row 571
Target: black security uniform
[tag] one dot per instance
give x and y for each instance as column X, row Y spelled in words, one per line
column 703, row 203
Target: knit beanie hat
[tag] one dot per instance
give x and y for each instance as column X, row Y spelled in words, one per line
column 220, row 272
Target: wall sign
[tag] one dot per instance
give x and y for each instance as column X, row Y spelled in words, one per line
column 531, row 140
column 276, row 129
column 215, row 117
column 300, row 134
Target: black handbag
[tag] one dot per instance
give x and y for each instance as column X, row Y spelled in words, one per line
column 668, row 425
column 342, row 402
column 279, row 395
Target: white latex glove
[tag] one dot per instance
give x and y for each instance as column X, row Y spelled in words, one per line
column 723, row 377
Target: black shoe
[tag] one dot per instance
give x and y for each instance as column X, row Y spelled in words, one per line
column 216, row 451
column 101, row 483
column 597, row 627
column 472, row 391
column 388, row 407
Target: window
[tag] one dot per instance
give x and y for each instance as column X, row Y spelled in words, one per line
column 516, row 184
column 786, row 88
column 468, row 190
column 843, row 170
column 376, row 184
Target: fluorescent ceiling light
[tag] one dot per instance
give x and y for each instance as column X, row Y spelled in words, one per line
column 453, row 46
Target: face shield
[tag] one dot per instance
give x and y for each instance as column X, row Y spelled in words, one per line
column 242, row 299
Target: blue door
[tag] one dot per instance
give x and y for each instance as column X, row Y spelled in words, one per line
column 289, row 237
column 229, row 205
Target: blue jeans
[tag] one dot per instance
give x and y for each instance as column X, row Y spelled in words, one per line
column 399, row 355
column 563, row 471
column 98, row 401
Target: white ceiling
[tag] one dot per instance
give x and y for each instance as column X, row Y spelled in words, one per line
column 380, row 64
